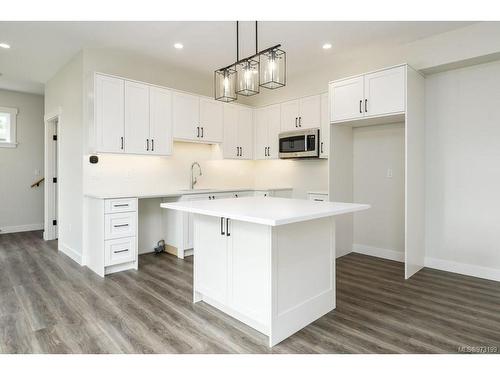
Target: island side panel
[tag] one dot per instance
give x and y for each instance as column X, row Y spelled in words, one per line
column 302, row 275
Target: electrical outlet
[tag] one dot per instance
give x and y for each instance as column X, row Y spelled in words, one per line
column 389, row 173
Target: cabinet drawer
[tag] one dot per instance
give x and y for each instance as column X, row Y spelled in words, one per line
column 120, row 225
column 120, row 205
column 318, row 197
column 119, row 250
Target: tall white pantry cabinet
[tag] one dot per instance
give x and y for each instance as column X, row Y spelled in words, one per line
column 392, row 95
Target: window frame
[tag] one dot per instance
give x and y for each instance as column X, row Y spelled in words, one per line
column 13, row 126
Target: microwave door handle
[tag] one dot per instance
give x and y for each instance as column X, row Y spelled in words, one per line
column 305, row 142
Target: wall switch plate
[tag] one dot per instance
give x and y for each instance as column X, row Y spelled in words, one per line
column 389, row 173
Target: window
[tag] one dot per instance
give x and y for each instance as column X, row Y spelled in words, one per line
column 8, row 127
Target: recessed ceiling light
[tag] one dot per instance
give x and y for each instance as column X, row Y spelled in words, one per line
column 327, row 46
column 178, row 46
column 4, row 45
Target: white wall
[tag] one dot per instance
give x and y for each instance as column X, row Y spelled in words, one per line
column 64, row 92
column 375, row 150
column 463, row 168
column 21, row 207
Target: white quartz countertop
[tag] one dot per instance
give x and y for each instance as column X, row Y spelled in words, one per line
column 178, row 193
column 266, row 210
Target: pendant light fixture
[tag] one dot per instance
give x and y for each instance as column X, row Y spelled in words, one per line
column 266, row 68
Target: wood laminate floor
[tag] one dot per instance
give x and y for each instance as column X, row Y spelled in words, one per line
column 49, row 304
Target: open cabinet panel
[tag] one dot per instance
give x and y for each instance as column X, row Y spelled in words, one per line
column 414, row 174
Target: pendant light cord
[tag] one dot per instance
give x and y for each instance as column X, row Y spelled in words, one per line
column 256, row 39
column 237, row 41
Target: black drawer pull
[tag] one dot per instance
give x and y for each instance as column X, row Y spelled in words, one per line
column 227, row 227
column 121, row 205
column 120, row 225
column 120, row 251
column 222, row 226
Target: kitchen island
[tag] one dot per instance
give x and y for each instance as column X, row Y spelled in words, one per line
column 268, row 262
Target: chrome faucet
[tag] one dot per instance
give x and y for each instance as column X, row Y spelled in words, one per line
column 193, row 178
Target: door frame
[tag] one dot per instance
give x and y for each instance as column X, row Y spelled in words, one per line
column 51, row 157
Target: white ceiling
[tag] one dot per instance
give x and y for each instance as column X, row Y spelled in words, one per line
column 39, row 49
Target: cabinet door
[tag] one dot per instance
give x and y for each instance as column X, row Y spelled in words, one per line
column 324, row 132
column 210, row 258
column 160, row 121
column 385, row 92
column 310, row 112
column 245, row 133
column 261, row 124
column 109, row 107
column 290, row 115
column 137, row 118
column 230, row 142
column 347, row 98
column 211, row 120
column 273, row 131
column 186, row 116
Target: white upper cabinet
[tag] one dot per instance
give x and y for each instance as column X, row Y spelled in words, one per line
column 347, row 99
column 132, row 117
column 261, row 133
column 109, row 114
column 301, row 113
column 376, row 94
column 324, row 132
column 160, row 121
column 290, row 115
column 385, row 92
column 310, row 112
column 136, row 118
column 186, row 116
column 211, row 120
column 238, row 132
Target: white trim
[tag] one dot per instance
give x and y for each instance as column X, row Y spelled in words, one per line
column 13, row 126
column 21, row 228
column 463, row 268
column 378, row 252
column 73, row 254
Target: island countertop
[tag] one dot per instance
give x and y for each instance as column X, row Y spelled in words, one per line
column 266, row 210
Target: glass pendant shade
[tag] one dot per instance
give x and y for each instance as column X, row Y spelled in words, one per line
column 225, row 84
column 273, row 69
column 248, row 77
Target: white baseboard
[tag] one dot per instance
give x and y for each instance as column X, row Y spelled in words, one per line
column 21, row 228
column 378, row 252
column 73, row 254
column 463, row 268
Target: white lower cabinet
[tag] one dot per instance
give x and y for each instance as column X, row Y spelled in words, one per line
column 232, row 267
column 111, row 241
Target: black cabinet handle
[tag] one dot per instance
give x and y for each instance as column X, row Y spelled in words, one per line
column 300, row 122
column 122, row 142
column 222, row 226
column 321, row 147
column 120, row 251
column 202, row 132
column 121, row 205
column 147, row 144
column 152, row 145
column 360, row 110
column 366, row 105
column 198, row 131
column 296, row 118
column 120, row 225
column 241, row 151
column 227, row 228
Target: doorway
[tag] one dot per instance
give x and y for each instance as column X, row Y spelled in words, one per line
column 51, row 198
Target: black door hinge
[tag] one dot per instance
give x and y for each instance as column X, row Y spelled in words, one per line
column 54, row 180
column 54, row 222
column 54, row 137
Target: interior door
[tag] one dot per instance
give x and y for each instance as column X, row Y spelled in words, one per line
column 290, row 115
column 273, row 130
column 185, row 116
column 324, row 132
column 137, row 118
column 160, row 121
column 210, row 257
column 230, row 143
column 310, row 112
column 109, row 113
column 385, row 91
column 211, row 120
column 347, row 98
column 261, row 136
column 245, row 132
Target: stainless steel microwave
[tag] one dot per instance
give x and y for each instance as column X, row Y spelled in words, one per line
column 302, row 143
